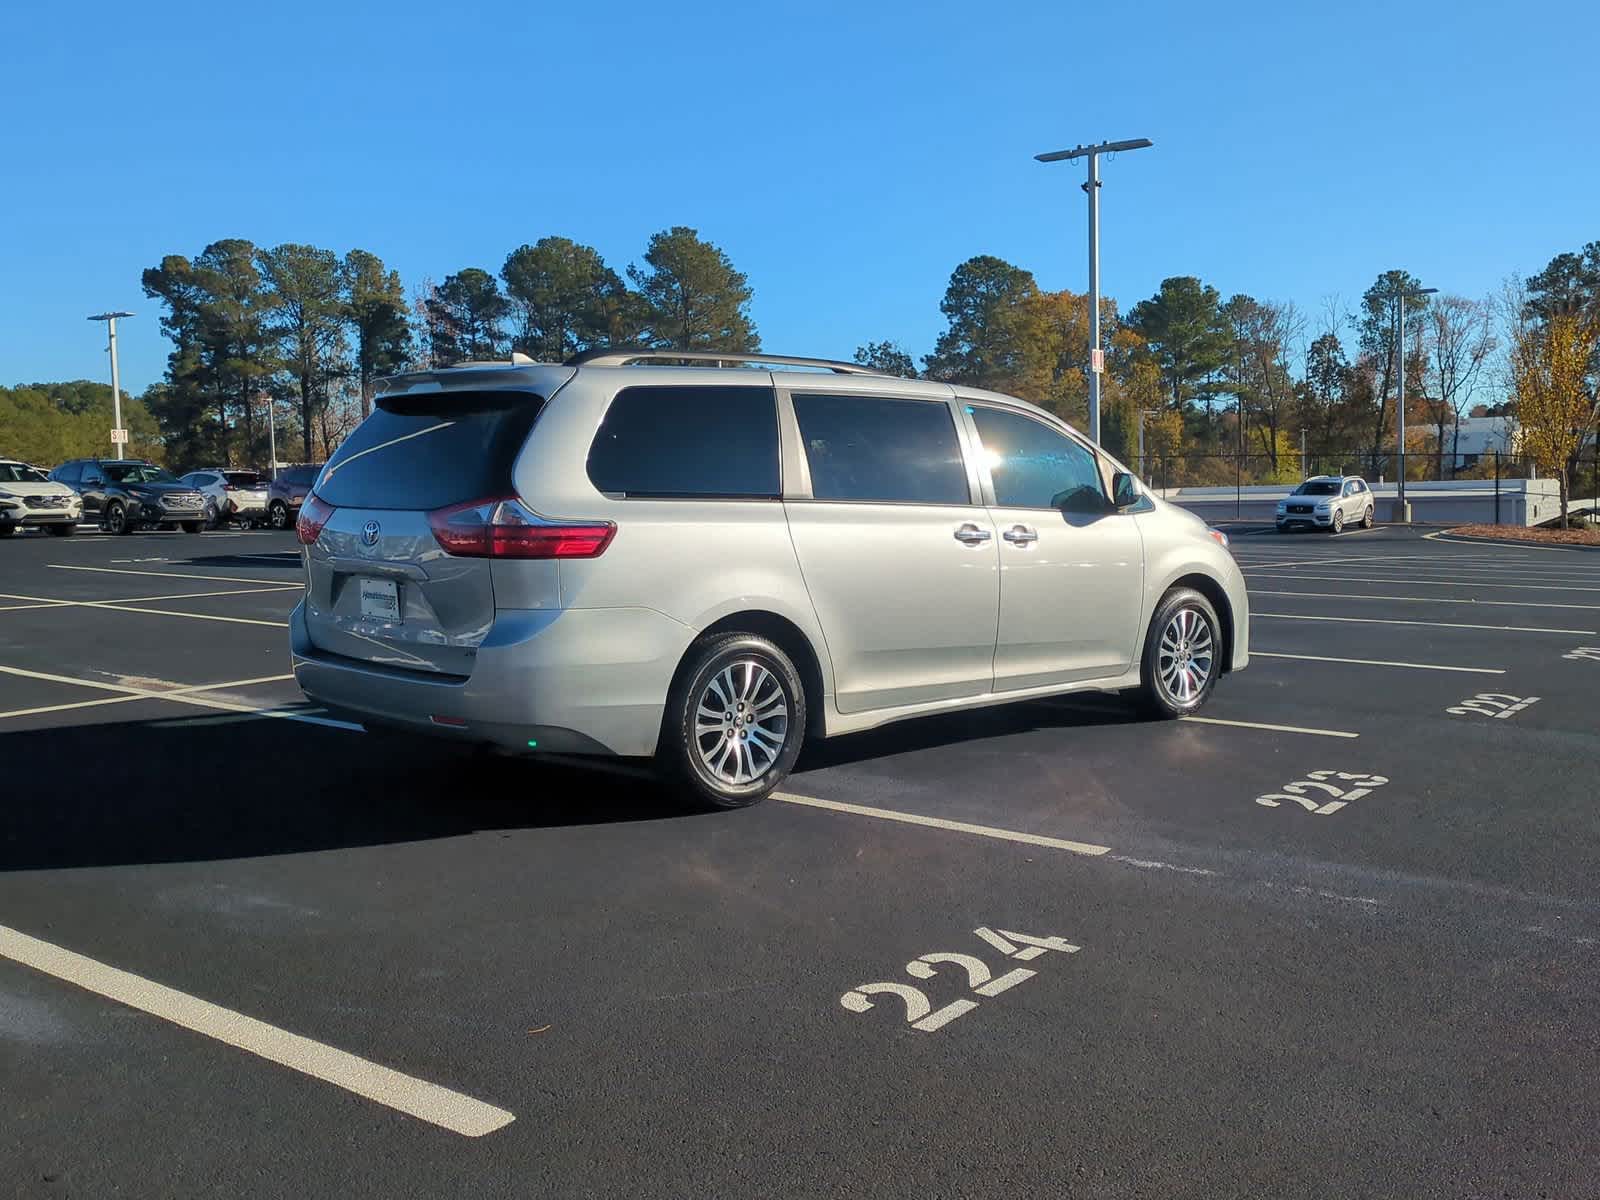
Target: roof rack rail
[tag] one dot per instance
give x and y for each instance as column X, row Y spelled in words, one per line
column 621, row 357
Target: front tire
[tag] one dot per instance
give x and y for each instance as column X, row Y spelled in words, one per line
column 1338, row 521
column 1366, row 518
column 117, row 519
column 278, row 515
column 735, row 721
column 1182, row 655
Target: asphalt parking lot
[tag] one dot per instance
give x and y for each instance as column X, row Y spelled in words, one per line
column 1337, row 938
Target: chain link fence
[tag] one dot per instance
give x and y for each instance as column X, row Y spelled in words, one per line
column 1210, row 469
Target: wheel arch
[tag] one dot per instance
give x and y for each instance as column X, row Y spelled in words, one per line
column 1214, row 592
column 791, row 639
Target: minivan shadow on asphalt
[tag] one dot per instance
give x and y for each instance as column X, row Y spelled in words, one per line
column 116, row 794
column 1083, row 710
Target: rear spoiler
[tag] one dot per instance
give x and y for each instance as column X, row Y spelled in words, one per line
column 542, row 378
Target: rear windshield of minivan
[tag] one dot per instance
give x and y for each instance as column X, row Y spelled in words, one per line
column 425, row 452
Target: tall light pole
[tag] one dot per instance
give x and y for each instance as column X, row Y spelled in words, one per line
column 110, row 318
column 1400, row 351
column 1097, row 363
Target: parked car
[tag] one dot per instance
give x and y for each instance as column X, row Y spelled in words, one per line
column 1327, row 502
column 231, row 494
column 288, row 491
column 124, row 494
column 30, row 499
column 709, row 565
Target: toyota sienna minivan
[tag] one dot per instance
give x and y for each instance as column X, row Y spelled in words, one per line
column 710, row 561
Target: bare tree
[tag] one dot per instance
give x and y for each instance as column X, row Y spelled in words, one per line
column 1265, row 334
column 1460, row 341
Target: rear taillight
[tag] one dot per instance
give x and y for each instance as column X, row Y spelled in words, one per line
column 506, row 529
column 314, row 514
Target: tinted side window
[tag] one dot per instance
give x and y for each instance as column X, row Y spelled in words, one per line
column 873, row 448
column 688, row 441
column 1033, row 466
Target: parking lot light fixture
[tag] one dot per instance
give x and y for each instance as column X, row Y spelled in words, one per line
column 110, row 318
column 1092, row 187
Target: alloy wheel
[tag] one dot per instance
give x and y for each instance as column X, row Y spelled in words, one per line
column 741, row 722
column 1186, row 656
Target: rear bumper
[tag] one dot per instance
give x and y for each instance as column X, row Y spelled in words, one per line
column 574, row 681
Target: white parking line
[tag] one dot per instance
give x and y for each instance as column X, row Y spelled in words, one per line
column 1411, row 581
column 404, row 1093
column 1333, row 733
column 165, row 574
column 1424, row 624
column 47, row 602
column 1096, row 710
column 187, row 695
column 1428, row 599
column 1378, row 662
column 988, row 831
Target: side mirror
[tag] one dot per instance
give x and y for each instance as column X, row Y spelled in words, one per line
column 1124, row 491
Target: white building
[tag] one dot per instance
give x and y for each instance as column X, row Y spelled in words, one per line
column 1479, row 436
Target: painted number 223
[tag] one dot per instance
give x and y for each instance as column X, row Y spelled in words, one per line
column 1325, row 796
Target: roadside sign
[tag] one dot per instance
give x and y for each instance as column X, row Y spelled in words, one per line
column 1097, row 361
column 119, row 437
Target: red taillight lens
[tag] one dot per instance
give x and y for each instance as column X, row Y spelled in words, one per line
column 506, row 529
column 314, row 514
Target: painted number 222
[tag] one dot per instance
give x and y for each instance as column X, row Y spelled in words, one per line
column 1492, row 704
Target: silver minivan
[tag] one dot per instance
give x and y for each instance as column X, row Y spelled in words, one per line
column 710, row 561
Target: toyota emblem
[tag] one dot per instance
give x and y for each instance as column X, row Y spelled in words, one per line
column 369, row 533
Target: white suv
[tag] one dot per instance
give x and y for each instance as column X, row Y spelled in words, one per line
column 1327, row 502
column 709, row 565
column 29, row 498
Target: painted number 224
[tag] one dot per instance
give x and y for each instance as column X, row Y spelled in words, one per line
column 920, row 1013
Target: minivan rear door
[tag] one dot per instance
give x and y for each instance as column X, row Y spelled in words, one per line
column 379, row 586
column 900, row 560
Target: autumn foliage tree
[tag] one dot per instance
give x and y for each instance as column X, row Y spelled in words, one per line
column 1550, row 364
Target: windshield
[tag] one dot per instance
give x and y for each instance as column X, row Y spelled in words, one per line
column 136, row 473
column 17, row 473
column 1317, row 487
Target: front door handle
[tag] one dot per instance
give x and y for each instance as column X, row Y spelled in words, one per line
column 969, row 534
column 1020, row 535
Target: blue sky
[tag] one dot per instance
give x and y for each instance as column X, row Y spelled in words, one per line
column 847, row 157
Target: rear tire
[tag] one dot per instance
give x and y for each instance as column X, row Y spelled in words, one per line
column 735, row 721
column 62, row 530
column 1182, row 655
column 117, row 519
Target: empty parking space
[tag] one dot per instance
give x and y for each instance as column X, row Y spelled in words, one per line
column 1356, row 922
